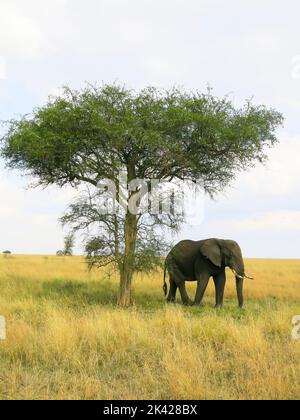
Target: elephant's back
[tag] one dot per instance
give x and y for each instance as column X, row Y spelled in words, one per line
column 185, row 253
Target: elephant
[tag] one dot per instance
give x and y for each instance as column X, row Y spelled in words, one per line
column 200, row 260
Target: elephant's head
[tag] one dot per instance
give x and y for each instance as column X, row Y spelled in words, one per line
column 232, row 257
column 227, row 253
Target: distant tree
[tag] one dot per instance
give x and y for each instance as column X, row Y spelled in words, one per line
column 68, row 245
column 7, row 252
column 85, row 136
column 59, row 253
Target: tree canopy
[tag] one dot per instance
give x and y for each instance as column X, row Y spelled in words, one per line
column 82, row 136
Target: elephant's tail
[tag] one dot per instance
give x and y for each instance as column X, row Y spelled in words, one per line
column 165, row 287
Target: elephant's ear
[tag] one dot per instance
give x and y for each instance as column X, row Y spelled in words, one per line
column 211, row 250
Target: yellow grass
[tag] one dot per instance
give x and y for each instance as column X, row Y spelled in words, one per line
column 66, row 339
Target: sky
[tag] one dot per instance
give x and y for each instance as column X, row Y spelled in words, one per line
column 248, row 49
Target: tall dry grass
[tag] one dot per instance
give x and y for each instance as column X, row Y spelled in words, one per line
column 66, row 339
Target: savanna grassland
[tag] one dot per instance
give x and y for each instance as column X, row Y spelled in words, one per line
column 66, row 338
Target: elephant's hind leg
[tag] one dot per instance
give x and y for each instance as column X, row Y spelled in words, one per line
column 172, row 292
column 184, row 296
column 178, row 278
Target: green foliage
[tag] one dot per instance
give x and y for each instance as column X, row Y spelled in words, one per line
column 83, row 136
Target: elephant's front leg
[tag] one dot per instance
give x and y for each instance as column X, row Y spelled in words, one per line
column 220, row 280
column 184, row 296
column 201, row 287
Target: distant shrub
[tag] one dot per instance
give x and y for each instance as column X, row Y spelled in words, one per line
column 69, row 245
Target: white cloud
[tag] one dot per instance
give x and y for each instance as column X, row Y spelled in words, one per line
column 275, row 222
column 19, row 35
column 29, row 218
column 23, row 34
column 2, row 68
column 279, row 176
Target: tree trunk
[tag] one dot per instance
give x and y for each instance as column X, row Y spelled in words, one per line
column 127, row 268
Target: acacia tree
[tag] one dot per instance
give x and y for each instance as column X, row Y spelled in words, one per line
column 84, row 136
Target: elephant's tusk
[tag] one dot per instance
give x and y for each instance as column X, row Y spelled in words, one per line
column 237, row 275
column 242, row 277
